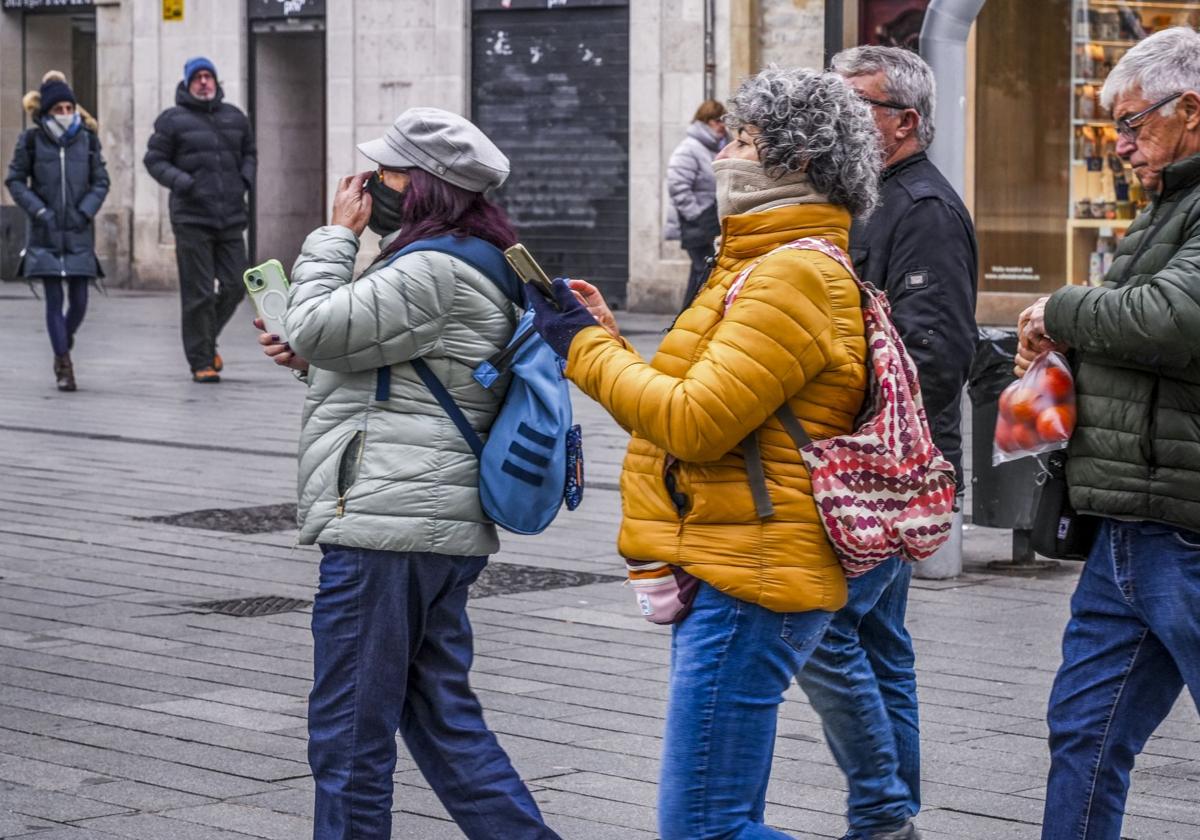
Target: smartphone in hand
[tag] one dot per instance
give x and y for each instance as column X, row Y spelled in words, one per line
column 530, row 272
column 268, row 288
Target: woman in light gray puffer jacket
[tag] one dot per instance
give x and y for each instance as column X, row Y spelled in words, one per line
column 693, row 189
column 388, row 486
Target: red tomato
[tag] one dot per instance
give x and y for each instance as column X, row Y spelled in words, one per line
column 1004, row 441
column 1024, row 404
column 1057, row 384
column 1055, row 424
column 1024, row 437
column 1005, row 408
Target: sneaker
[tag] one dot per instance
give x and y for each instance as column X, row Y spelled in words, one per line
column 218, row 363
column 206, row 376
column 906, row 832
column 64, row 372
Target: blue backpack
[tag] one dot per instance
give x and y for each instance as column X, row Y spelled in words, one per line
column 533, row 458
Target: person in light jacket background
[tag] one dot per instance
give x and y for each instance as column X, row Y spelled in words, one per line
column 692, row 218
column 389, row 488
column 57, row 176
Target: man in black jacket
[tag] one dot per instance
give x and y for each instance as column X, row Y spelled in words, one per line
column 202, row 150
column 919, row 248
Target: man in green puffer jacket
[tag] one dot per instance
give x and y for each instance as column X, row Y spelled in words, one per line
column 1133, row 641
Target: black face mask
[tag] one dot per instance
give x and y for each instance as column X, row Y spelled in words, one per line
column 386, row 207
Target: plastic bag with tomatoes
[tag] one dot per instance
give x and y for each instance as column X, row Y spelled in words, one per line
column 1037, row 412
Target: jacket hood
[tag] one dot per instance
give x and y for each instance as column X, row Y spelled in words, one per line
column 701, row 132
column 32, row 103
column 184, row 97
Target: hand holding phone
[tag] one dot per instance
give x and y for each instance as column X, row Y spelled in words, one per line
column 268, row 288
column 530, row 272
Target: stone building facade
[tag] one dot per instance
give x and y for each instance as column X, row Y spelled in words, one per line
column 319, row 76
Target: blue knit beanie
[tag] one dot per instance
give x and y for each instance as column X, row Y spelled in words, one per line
column 195, row 65
column 54, row 92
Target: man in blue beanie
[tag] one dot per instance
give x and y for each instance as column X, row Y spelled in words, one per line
column 202, row 150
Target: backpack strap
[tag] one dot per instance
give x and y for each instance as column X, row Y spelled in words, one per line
column 758, row 477
column 751, row 451
column 482, row 256
column 448, row 405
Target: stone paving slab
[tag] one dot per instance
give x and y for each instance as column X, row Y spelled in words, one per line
column 125, row 714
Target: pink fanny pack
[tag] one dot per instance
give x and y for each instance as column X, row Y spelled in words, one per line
column 664, row 592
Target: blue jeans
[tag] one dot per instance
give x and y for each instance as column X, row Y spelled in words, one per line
column 1132, row 643
column 862, row 681
column 392, row 650
column 62, row 326
column 731, row 662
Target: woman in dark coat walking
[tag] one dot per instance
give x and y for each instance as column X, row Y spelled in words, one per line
column 57, row 176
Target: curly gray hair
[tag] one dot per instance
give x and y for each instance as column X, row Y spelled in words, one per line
column 814, row 122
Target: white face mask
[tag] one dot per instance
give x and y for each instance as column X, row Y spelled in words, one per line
column 65, row 121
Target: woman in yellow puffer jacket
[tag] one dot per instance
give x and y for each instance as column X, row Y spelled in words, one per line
column 804, row 158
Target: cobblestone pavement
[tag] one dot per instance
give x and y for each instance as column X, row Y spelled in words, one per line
column 127, row 712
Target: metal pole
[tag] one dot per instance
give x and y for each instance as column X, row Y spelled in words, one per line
column 835, row 22
column 710, row 49
column 944, row 46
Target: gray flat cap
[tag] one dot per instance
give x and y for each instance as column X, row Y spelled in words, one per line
column 443, row 144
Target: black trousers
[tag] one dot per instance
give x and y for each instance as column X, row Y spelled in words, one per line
column 211, row 262
column 699, row 273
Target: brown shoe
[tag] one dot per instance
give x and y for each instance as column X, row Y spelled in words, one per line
column 64, row 372
column 206, row 375
column 218, row 363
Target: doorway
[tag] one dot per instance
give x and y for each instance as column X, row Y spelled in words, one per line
column 550, row 85
column 50, row 40
column 287, row 109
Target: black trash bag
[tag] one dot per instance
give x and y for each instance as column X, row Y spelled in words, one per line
column 992, row 367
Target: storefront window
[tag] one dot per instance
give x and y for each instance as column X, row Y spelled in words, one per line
column 892, row 23
column 1022, row 144
column 1104, row 194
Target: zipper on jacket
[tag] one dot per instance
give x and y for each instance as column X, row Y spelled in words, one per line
column 1152, row 429
column 62, row 230
column 352, row 457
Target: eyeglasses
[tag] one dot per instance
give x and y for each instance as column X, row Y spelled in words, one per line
column 1128, row 127
column 885, row 103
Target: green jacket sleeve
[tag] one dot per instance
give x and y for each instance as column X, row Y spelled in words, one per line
column 1155, row 324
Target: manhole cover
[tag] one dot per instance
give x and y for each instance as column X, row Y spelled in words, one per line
column 248, row 520
column 511, row 578
column 252, row 607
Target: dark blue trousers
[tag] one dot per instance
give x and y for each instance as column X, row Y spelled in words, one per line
column 392, row 651
column 59, row 324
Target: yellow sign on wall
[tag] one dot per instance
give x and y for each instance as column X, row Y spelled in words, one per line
column 172, row 9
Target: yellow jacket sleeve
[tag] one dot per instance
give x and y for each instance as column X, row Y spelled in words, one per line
column 777, row 335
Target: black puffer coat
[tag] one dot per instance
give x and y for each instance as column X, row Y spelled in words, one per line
column 203, row 152
column 919, row 248
column 61, row 186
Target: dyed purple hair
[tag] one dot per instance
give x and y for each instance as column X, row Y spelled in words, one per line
column 433, row 207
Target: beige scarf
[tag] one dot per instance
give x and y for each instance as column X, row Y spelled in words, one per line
column 744, row 187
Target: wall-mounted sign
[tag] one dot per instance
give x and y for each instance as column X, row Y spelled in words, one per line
column 47, row 4
column 284, row 9
column 172, row 9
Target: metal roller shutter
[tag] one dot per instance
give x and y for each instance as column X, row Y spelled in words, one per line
column 550, row 85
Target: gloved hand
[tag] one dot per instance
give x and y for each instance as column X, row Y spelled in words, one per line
column 560, row 326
